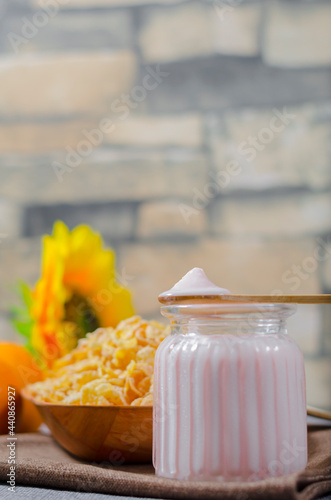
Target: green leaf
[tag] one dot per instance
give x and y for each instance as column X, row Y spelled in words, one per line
column 20, row 315
column 24, row 328
column 26, row 294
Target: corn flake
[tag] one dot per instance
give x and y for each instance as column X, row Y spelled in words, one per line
column 111, row 366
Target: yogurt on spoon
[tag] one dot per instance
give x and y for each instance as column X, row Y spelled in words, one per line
column 195, row 282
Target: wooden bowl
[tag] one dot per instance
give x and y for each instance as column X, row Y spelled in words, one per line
column 112, row 434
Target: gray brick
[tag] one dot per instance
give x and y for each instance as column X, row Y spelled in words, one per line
column 6, row 330
column 36, row 138
column 285, row 159
column 163, row 219
column 111, row 176
column 305, row 327
column 79, row 4
column 179, row 33
column 199, row 31
column 114, row 221
column 72, row 30
column 64, row 84
column 19, row 261
column 272, row 215
column 158, row 131
column 326, row 274
column 3, row 9
column 218, row 83
column 318, row 376
column 326, row 328
column 235, row 28
column 10, row 219
column 297, row 34
column 137, row 130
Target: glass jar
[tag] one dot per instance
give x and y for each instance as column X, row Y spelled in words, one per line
column 229, row 393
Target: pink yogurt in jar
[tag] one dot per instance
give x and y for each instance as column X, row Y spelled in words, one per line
column 229, row 389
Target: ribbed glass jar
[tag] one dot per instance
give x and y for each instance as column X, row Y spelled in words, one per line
column 229, row 394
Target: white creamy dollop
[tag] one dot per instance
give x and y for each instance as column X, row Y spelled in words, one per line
column 195, row 282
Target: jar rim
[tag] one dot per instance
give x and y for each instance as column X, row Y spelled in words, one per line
column 228, row 310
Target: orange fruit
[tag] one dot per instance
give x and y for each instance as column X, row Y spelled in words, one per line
column 9, row 387
column 26, row 371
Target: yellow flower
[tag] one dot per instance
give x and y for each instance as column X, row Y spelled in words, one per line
column 77, row 292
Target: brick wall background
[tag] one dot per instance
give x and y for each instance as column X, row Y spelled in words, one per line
column 189, row 133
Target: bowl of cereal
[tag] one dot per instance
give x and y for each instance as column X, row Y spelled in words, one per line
column 97, row 400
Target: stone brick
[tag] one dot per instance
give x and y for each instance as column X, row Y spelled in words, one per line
column 19, row 261
column 112, row 176
column 173, row 34
column 165, row 130
column 318, row 376
column 276, row 158
column 305, row 327
column 10, row 219
column 113, row 220
column 164, row 219
column 67, row 31
column 297, row 34
column 326, row 328
column 3, row 8
column 243, row 266
column 63, row 84
column 79, row 4
column 6, row 330
column 236, row 28
column 37, row 138
column 272, row 215
column 327, row 273
column 229, row 81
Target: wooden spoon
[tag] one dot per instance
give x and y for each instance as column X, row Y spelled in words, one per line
column 322, row 298
column 318, row 412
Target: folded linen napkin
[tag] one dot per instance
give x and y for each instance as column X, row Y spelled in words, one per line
column 41, row 462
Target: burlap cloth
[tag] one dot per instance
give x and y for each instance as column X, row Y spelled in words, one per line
column 41, row 462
